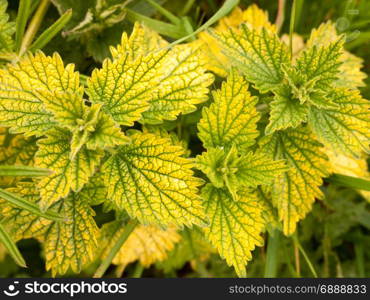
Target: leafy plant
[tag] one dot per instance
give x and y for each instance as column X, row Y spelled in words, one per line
column 122, row 139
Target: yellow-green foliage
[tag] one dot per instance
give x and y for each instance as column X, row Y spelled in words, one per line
column 265, row 153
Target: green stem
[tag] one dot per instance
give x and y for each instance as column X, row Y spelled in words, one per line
column 291, row 28
column 138, row 272
column 171, row 17
column 11, row 247
column 360, row 260
column 34, row 25
column 305, row 256
column 121, row 240
column 187, row 7
column 273, row 245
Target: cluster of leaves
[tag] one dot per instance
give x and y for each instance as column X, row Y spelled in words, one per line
column 279, row 124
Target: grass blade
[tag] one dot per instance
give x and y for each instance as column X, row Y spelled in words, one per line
column 272, row 255
column 22, row 17
column 26, row 205
column 349, row 182
column 121, row 240
column 11, row 247
column 52, row 31
column 23, row 171
column 225, row 9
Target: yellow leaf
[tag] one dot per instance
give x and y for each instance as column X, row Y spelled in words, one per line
column 232, row 117
column 153, row 182
column 236, row 226
column 147, row 83
column 23, row 87
column 147, row 244
column 294, row 191
column 253, row 17
column 68, row 174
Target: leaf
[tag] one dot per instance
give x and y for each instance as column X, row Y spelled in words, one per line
column 228, row 169
column 184, row 84
column 11, row 247
column 350, row 75
column 235, row 225
column 16, row 149
column 23, row 87
column 71, row 244
column 192, row 247
column 344, row 128
column 321, row 63
column 95, row 191
column 350, row 166
column 68, row 108
column 7, row 29
column 148, row 244
column 286, row 111
column 150, row 87
column 216, row 61
column 69, row 174
column 294, row 191
column 141, row 42
column 21, row 223
column 258, row 54
column 232, row 117
column 106, row 134
column 153, row 182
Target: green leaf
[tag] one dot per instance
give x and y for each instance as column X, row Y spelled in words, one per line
column 7, row 29
column 259, row 54
column 74, row 243
column 69, row 174
column 345, row 128
column 235, row 172
column 149, row 87
column 294, row 191
column 190, row 248
column 153, row 182
column 286, row 111
column 7, row 241
column 321, row 63
column 24, row 87
column 350, row 75
column 236, row 226
column 68, row 245
column 232, row 117
column 52, row 31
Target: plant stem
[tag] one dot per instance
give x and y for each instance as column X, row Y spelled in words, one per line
column 138, row 272
column 280, row 15
column 305, row 256
column 187, row 7
column 34, row 25
column 272, row 255
column 121, row 240
column 291, row 28
column 171, row 17
column 297, row 261
column 360, row 260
